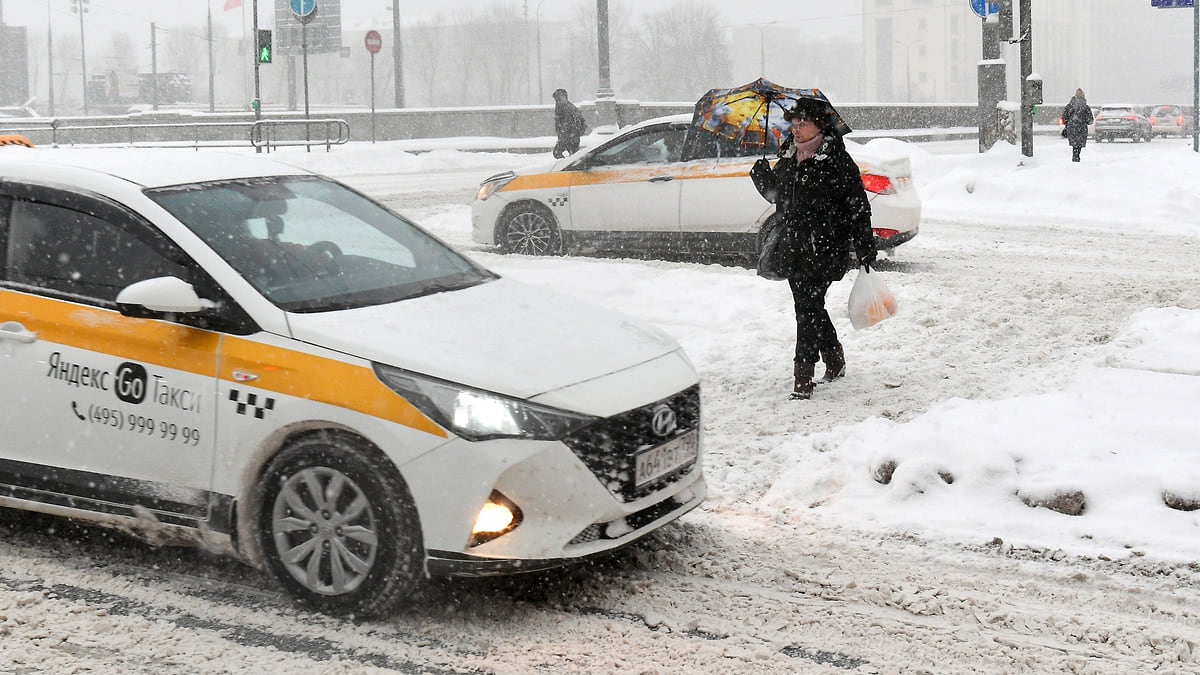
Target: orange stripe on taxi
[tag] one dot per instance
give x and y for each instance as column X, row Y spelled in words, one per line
column 192, row 350
column 316, row 378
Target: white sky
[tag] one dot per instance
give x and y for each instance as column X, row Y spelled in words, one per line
column 126, row 14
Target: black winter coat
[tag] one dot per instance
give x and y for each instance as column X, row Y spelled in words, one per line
column 1076, row 118
column 568, row 121
column 825, row 207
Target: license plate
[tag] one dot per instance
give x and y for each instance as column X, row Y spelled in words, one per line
column 662, row 460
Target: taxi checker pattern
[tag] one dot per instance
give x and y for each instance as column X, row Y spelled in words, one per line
column 251, row 401
column 557, row 200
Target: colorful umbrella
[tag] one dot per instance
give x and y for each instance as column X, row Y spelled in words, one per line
column 748, row 119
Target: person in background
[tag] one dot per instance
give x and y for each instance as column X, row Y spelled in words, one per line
column 569, row 125
column 819, row 193
column 1076, row 118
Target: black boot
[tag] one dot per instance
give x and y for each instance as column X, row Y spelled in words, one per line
column 835, row 363
column 803, row 388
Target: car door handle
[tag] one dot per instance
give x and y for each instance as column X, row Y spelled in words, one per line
column 661, row 179
column 11, row 330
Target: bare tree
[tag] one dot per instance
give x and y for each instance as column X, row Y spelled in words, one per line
column 505, row 37
column 424, row 52
column 683, row 53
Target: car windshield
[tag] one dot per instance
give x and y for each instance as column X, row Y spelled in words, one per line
column 1116, row 112
column 311, row 245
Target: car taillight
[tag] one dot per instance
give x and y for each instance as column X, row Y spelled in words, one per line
column 1060, row 121
column 1179, row 121
column 885, row 233
column 1153, row 119
column 880, row 185
column 1131, row 118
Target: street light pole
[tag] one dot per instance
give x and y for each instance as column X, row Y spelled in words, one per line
column 80, row 8
column 397, row 61
column 153, row 66
column 762, row 45
column 50, row 59
column 1026, row 71
column 537, row 23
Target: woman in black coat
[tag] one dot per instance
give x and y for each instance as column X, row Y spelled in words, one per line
column 1076, row 118
column 819, row 193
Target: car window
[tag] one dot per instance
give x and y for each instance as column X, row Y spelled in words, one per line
column 655, row 146
column 309, row 244
column 74, row 253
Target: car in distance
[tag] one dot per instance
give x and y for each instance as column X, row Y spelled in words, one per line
column 635, row 193
column 223, row 349
column 15, row 139
column 1171, row 120
column 1122, row 121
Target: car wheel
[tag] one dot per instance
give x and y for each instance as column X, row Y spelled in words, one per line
column 337, row 527
column 530, row 229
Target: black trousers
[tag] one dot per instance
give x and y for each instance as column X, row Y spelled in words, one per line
column 814, row 329
column 566, row 146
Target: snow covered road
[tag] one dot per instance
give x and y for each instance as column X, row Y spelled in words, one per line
column 765, row 577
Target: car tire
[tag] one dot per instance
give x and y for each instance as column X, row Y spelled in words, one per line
column 357, row 552
column 530, row 229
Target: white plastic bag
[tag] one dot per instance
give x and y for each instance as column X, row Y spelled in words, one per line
column 871, row 301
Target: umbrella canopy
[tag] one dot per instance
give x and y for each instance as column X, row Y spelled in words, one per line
column 747, row 120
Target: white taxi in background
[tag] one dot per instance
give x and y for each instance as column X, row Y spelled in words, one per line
column 220, row 348
column 635, row 194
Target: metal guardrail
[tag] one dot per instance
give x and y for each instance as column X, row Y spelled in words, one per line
column 260, row 134
column 277, row 133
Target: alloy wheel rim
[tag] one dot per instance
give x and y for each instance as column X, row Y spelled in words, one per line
column 529, row 234
column 324, row 531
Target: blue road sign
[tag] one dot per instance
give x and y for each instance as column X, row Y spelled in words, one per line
column 981, row 7
column 1172, row 3
column 303, row 7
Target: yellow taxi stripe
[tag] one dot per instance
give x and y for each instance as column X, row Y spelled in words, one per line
column 108, row 332
column 316, row 378
column 628, row 174
column 192, row 350
column 539, row 181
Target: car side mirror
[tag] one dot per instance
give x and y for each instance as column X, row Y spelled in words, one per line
column 161, row 295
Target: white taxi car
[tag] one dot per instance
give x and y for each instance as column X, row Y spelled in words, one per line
column 220, row 348
column 636, row 193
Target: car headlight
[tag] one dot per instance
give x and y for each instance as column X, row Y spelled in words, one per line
column 477, row 415
column 488, row 187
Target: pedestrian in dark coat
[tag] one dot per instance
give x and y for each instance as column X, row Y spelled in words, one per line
column 569, row 125
column 819, row 193
column 1076, row 118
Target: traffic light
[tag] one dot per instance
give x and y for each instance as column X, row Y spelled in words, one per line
column 262, row 52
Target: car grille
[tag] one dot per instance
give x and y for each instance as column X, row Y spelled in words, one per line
column 608, row 446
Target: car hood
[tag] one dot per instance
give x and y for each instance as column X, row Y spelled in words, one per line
column 502, row 336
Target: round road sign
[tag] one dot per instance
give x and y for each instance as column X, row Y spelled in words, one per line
column 373, row 41
column 302, row 8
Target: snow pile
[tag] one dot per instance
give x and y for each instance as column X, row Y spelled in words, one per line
column 1124, row 438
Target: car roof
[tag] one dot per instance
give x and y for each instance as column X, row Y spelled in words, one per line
column 148, row 168
column 685, row 118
